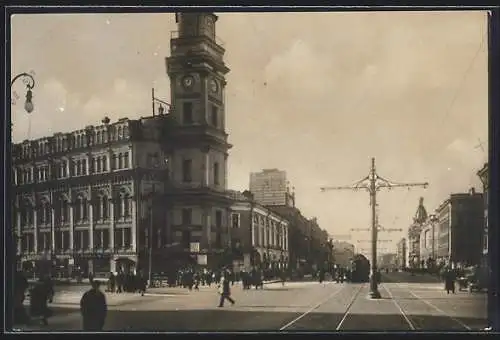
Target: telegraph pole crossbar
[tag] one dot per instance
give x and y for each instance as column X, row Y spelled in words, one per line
column 373, row 183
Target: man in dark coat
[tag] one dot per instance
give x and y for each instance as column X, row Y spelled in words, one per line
column 41, row 293
column 225, row 293
column 93, row 308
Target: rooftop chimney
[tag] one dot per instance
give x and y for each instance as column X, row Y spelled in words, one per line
column 472, row 191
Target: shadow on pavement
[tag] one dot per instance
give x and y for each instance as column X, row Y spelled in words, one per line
column 225, row 319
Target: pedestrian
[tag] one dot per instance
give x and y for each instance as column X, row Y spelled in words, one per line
column 225, row 291
column 93, row 308
column 40, row 295
column 142, row 283
column 449, row 281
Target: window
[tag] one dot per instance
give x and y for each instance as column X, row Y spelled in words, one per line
column 78, row 240
column 215, row 116
column 125, row 160
column 218, row 218
column 84, row 167
column 127, row 237
column 187, row 214
column 114, row 162
column 186, row 170
column 235, row 219
column 65, row 240
column 98, row 239
column 118, row 238
column 187, row 110
column 104, row 163
column 105, row 238
column 85, row 239
column 186, row 238
column 216, row 173
column 120, row 161
column 218, row 239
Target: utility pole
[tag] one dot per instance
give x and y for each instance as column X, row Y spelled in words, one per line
column 373, row 183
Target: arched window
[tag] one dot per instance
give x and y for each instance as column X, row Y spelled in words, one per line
column 120, row 161
column 97, row 209
column 114, row 164
column 127, row 206
column 125, row 132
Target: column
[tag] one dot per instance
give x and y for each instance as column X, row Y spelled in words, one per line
column 134, row 225
column 35, row 227
column 71, row 221
column 266, row 226
column 224, row 178
column 19, row 233
column 108, row 158
column 53, row 227
column 90, row 216
column 111, row 214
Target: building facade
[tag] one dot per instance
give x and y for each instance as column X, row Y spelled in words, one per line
column 401, row 252
column 79, row 195
column 343, row 253
column 258, row 235
column 271, row 188
column 104, row 197
column 414, row 233
column 309, row 246
column 483, row 175
column 460, row 223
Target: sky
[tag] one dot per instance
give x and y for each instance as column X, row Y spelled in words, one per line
column 315, row 94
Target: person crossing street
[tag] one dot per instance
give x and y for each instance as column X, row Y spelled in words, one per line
column 225, row 291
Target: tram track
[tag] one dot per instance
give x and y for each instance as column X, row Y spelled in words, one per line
column 323, row 302
column 408, row 318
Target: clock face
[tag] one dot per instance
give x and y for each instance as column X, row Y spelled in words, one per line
column 188, row 82
column 214, row 87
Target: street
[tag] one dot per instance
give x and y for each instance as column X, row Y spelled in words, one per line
column 298, row 306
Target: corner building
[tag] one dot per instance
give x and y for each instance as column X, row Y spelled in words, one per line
column 79, row 196
column 103, row 197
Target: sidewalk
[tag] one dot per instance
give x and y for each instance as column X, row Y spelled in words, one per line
column 176, row 291
column 72, row 299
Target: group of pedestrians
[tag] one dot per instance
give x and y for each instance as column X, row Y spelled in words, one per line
column 122, row 282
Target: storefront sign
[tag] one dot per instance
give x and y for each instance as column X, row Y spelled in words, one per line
column 194, row 247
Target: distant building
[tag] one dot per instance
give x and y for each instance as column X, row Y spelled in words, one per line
column 401, row 252
column 343, row 252
column 271, row 188
column 414, row 232
column 387, row 261
column 483, row 175
column 460, row 223
column 259, row 236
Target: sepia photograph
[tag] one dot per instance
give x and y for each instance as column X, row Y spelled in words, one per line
column 214, row 171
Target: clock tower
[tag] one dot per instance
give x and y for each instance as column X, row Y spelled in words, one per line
column 199, row 208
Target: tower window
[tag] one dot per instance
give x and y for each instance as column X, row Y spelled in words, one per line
column 215, row 116
column 187, row 111
column 216, row 173
column 186, row 170
column 187, row 214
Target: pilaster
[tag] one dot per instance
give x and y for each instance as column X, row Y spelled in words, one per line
column 71, row 222
column 111, row 217
column 35, row 228
column 134, row 225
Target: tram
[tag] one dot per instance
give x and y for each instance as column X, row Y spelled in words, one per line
column 360, row 269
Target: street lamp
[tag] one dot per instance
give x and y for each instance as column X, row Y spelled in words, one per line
column 30, row 84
